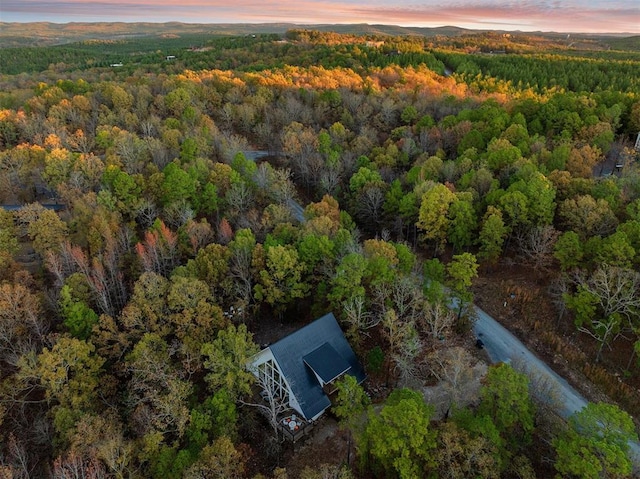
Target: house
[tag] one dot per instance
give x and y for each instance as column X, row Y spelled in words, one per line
column 305, row 365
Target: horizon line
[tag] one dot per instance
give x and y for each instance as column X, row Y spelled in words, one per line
column 127, row 22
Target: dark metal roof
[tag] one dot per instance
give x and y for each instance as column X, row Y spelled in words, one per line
column 326, row 362
column 290, row 351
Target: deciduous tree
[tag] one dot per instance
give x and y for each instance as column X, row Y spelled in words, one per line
column 23, row 327
column 227, row 358
column 347, row 280
column 219, row 460
column 350, row 405
column 492, row 236
column 568, row 250
column 461, row 271
column 587, row 216
column 434, row 218
column 158, row 395
column 78, row 317
column 596, row 443
column 606, row 303
column 281, row 283
column 47, row 232
column 505, row 399
column 463, row 222
column 71, row 374
column 399, row 439
column 461, row 455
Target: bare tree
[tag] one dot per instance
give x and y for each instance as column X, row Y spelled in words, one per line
column 200, row 234
column 300, row 146
column 357, row 318
column 380, row 298
column 536, row 245
column 132, row 150
column 229, row 144
column 557, row 291
column 405, row 357
column 544, row 390
column 406, row 294
column 276, row 183
column 159, row 250
column 330, row 180
column 16, row 460
column 617, row 289
column 273, row 392
column 23, row 327
column 240, row 270
column 239, row 198
column 74, row 466
column 613, row 296
column 438, row 319
column 453, row 367
column 282, row 188
column 106, row 278
column 102, row 271
column 405, row 346
column 369, row 205
column 146, row 213
column 159, row 152
column 178, row 213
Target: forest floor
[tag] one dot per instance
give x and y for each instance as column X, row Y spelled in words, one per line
column 534, row 320
column 517, row 297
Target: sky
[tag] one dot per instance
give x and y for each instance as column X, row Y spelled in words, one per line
column 586, row 16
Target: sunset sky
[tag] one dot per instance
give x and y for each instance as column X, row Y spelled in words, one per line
column 614, row 16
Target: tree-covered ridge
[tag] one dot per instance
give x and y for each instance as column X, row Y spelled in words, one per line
column 542, row 73
column 513, row 59
column 127, row 319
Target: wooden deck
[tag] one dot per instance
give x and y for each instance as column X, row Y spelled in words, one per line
column 294, row 428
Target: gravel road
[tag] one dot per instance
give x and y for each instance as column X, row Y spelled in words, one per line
column 502, row 346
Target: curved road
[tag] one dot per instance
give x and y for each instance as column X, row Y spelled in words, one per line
column 502, row 346
column 296, row 209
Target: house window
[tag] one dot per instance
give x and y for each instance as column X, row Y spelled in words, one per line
column 272, row 381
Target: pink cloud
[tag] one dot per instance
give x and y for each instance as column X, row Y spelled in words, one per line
column 566, row 15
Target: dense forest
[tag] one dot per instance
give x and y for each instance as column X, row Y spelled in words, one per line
column 150, row 244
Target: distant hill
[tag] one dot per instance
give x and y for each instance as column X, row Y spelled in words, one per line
column 46, row 34
column 366, row 29
column 627, row 44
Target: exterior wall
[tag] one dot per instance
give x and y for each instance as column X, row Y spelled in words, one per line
column 265, row 364
column 262, row 357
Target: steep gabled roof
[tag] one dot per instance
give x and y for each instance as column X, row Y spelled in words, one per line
column 313, row 341
column 327, row 363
